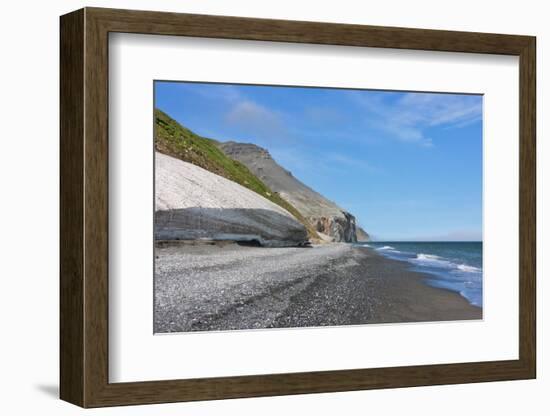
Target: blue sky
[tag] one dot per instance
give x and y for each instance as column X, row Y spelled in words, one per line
column 407, row 165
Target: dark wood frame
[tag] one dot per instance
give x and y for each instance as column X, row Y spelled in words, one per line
column 84, row 209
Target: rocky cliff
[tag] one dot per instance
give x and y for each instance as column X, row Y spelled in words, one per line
column 331, row 222
column 173, row 139
column 193, row 203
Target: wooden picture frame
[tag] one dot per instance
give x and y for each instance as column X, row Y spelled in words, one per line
column 84, row 207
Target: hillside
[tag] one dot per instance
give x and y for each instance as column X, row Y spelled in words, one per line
column 333, row 222
column 192, row 203
column 172, row 139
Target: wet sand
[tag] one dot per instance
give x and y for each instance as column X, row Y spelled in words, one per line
column 201, row 287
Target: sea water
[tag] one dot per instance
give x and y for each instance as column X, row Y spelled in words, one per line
column 456, row 266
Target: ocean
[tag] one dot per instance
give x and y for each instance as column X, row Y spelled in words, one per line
column 456, row 266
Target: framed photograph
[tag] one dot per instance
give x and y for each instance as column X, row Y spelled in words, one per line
column 254, row 207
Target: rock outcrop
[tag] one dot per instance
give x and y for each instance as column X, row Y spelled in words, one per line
column 337, row 228
column 329, row 220
column 193, row 203
column 173, row 139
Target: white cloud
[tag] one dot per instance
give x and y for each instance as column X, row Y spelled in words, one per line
column 408, row 118
column 440, row 109
column 255, row 119
column 218, row 92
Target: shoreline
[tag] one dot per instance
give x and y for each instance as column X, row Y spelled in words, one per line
column 201, row 286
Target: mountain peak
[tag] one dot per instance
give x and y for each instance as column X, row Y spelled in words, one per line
column 252, row 166
column 326, row 217
column 248, row 149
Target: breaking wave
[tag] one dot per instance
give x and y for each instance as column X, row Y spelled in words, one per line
column 453, row 266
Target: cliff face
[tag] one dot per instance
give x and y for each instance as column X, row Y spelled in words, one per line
column 173, row 139
column 337, row 228
column 251, row 168
column 330, row 221
column 193, row 203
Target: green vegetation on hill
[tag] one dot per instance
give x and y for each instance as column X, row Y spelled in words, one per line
column 173, row 139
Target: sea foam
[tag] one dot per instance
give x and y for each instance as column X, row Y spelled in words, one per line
column 468, row 269
column 432, row 260
column 453, row 266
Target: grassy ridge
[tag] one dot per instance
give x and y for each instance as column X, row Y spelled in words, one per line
column 173, row 139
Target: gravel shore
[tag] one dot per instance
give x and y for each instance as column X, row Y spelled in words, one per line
column 227, row 286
